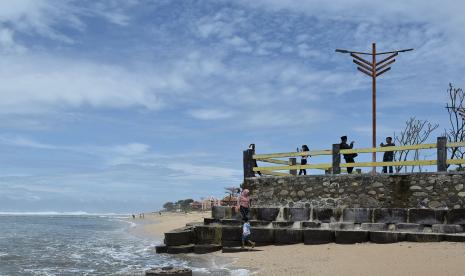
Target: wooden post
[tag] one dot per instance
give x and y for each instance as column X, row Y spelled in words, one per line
column 248, row 163
column 292, row 162
column 336, row 159
column 441, row 146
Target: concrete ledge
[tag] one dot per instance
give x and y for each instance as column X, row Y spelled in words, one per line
column 426, row 216
column 282, row 224
column 310, row 224
column 231, row 235
column 206, row 248
column 288, row 236
column 456, row 216
column 179, row 237
column 324, row 214
column 298, row 214
column 342, row 226
column 350, row 236
column 208, row 221
column 318, row 236
column 374, row 226
column 386, row 237
column 180, row 249
column 390, row 215
column 357, row 215
column 259, row 223
column 409, row 227
column 262, row 236
column 206, row 234
column 268, row 214
column 231, row 222
column 159, row 249
column 218, row 212
column 447, row 228
column 423, row 237
column 453, row 238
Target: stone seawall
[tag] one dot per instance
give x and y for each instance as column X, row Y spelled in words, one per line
column 433, row 190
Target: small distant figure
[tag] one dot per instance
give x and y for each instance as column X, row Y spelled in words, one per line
column 133, row 216
column 159, row 213
column 388, row 155
column 140, row 216
column 246, row 234
column 243, row 201
column 303, row 159
column 252, row 147
column 349, row 158
column 143, row 215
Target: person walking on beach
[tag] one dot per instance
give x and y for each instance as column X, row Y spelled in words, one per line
column 252, row 147
column 243, row 201
column 349, row 158
column 246, row 234
column 133, row 216
column 303, row 159
column 388, row 155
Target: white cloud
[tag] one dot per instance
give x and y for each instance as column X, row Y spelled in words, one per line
column 210, row 114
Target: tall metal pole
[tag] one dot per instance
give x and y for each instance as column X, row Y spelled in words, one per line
column 373, row 69
column 374, row 103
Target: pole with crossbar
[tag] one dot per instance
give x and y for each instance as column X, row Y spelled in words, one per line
column 373, row 69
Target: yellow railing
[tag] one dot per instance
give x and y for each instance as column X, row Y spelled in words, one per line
column 286, row 165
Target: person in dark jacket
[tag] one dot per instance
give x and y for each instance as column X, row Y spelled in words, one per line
column 349, row 158
column 388, row 155
column 303, row 159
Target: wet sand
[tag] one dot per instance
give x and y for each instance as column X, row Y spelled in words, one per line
column 156, row 225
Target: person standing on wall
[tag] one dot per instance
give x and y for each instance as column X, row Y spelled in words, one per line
column 252, row 147
column 303, row 159
column 388, row 155
column 243, row 202
column 349, row 158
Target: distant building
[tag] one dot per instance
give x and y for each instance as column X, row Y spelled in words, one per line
column 196, row 205
column 208, row 202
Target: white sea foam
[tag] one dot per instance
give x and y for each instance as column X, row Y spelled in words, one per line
column 54, row 213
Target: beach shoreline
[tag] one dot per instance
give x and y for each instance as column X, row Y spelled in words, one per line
column 405, row 258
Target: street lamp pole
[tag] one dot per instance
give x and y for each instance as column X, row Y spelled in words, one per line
column 373, row 69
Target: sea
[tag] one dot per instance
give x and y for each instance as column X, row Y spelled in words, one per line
column 88, row 244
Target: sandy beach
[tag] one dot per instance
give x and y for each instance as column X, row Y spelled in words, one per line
column 444, row 258
column 156, row 225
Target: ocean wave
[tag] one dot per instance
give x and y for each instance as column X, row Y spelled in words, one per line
column 54, row 213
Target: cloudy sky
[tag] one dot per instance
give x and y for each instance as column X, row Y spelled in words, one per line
column 119, row 106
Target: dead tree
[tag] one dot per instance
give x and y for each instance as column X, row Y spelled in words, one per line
column 456, row 132
column 415, row 132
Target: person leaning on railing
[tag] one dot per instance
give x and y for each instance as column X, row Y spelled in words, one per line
column 252, row 147
column 388, row 155
column 348, row 157
column 303, row 160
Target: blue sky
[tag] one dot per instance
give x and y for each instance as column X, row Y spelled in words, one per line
column 120, row 106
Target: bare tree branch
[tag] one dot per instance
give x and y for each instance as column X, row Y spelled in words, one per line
column 456, row 131
column 415, row 132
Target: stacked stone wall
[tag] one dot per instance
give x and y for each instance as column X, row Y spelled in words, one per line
column 433, row 190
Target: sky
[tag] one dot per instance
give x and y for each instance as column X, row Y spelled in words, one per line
column 120, row 106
